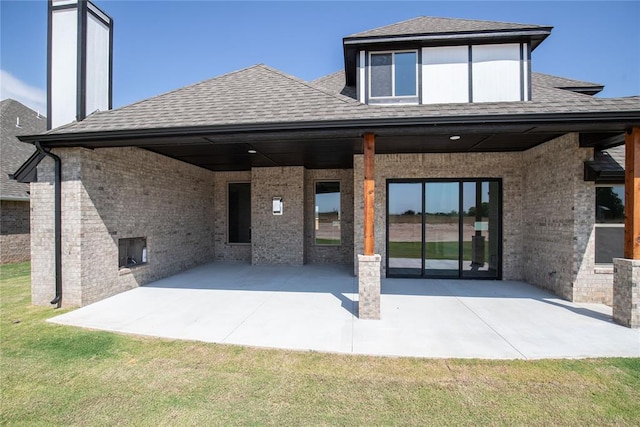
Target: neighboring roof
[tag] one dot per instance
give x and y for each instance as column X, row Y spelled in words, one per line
column 14, row 153
column 607, row 166
column 587, row 88
column 435, row 25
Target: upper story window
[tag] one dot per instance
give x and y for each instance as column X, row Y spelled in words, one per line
column 445, row 74
column 394, row 75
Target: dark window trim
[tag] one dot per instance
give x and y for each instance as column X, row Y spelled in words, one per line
column 410, row 99
column 460, row 181
column 329, row 245
column 228, row 240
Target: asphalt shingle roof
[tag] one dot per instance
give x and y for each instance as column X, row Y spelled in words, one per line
column 256, row 94
column 260, row 94
column 560, row 82
column 14, row 153
column 425, row 25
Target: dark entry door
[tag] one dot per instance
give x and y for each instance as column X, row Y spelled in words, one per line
column 444, row 228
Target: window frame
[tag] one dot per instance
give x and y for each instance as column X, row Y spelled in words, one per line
column 229, row 242
column 315, row 189
column 597, row 225
column 411, row 99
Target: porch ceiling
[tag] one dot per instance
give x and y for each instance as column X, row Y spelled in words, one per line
column 335, row 150
column 331, row 145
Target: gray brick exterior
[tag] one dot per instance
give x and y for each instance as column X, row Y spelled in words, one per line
column 558, row 232
column 548, row 211
column 454, row 165
column 626, row 292
column 14, row 231
column 109, row 194
column 277, row 239
column 369, row 287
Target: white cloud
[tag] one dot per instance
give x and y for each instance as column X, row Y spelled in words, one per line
column 14, row 88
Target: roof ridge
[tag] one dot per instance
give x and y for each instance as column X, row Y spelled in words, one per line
column 482, row 20
column 339, row 97
column 523, row 26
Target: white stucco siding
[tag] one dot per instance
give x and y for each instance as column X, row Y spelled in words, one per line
column 64, row 52
column 496, row 72
column 445, row 74
column 97, row 65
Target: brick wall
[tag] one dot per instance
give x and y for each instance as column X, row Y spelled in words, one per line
column 559, row 220
column 277, row 239
column 109, row 194
column 453, row 165
column 323, row 254
column 14, row 231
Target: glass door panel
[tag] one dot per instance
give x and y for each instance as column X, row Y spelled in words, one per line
column 405, row 229
column 480, row 219
column 442, row 229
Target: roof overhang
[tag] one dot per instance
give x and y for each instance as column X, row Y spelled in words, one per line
column 332, row 144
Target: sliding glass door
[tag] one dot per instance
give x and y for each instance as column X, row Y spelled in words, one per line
column 444, row 228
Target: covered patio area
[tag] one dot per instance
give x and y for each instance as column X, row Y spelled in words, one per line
column 314, row 307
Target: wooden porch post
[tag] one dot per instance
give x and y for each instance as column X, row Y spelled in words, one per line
column 632, row 194
column 369, row 191
column 626, row 271
column 369, row 262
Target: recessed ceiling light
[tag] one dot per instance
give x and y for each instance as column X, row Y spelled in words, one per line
column 251, row 151
column 454, row 137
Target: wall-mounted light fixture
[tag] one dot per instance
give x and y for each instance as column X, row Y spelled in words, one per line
column 277, row 206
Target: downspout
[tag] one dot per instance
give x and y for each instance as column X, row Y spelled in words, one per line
column 58, row 222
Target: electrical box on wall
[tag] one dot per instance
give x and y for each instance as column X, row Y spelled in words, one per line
column 277, row 205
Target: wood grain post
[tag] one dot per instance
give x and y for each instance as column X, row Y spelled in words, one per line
column 369, row 263
column 632, row 194
column 369, row 192
column 626, row 271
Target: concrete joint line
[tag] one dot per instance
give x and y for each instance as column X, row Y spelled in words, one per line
column 492, row 328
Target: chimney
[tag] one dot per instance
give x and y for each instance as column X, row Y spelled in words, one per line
column 79, row 61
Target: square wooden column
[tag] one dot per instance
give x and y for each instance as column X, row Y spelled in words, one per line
column 626, row 271
column 369, row 263
column 369, row 193
column 632, row 194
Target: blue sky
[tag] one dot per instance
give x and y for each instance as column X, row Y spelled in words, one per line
column 163, row 45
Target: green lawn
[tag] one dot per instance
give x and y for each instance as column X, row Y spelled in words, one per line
column 57, row 375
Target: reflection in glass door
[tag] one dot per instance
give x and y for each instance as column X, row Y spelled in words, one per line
column 404, row 247
column 479, row 229
column 444, row 228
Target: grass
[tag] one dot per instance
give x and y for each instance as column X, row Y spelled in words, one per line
column 58, row 375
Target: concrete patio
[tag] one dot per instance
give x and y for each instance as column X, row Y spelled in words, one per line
column 314, row 307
